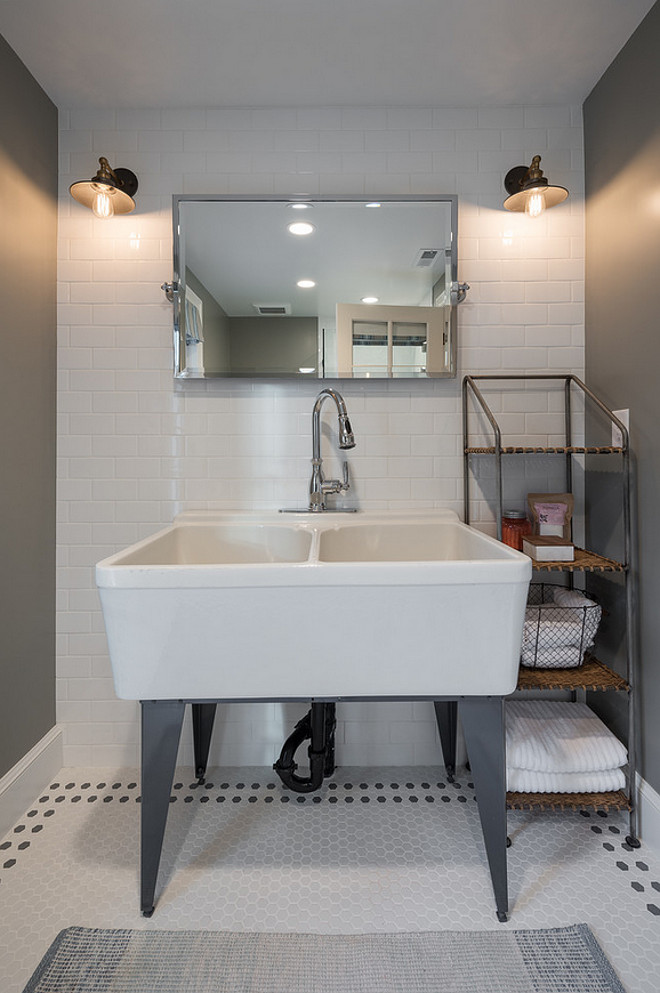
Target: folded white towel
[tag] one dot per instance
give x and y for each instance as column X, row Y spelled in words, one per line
column 571, row 598
column 527, row 781
column 559, row 736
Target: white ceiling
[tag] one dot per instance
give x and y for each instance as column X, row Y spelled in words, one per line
column 179, row 53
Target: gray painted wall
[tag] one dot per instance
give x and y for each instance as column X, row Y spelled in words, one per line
column 622, row 146
column 28, row 232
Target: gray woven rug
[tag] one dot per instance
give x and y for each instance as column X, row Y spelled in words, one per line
column 559, row 960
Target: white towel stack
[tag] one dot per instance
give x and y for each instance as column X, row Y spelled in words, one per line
column 561, row 747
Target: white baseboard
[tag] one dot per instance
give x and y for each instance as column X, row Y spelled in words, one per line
column 25, row 781
column 649, row 814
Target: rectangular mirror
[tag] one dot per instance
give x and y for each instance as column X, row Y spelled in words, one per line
column 317, row 288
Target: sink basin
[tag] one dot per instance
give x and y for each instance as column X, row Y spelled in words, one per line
column 261, row 606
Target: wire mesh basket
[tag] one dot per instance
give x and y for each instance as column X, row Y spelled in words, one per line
column 557, row 635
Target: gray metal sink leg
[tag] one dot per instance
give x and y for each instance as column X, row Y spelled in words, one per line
column 482, row 719
column 161, row 730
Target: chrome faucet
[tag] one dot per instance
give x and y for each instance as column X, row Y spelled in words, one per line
column 319, row 487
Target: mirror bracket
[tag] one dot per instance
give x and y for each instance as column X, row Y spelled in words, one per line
column 169, row 289
column 458, row 292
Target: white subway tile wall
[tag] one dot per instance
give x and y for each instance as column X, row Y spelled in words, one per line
column 136, row 448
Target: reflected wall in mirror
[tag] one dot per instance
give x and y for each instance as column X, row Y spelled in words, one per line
column 320, row 288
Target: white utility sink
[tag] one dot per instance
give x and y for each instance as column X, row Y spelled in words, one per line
column 232, row 605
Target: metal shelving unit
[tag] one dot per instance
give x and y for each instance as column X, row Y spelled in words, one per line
column 593, row 675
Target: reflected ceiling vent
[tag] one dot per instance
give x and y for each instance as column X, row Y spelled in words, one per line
column 426, row 257
column 272, row 309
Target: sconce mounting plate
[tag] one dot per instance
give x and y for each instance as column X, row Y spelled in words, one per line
column 514, row 179
column 128, row 180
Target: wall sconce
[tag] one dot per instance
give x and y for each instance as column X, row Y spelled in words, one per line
column 109, row 192
column 529, row 191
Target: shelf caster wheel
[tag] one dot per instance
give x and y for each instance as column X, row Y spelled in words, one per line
column 508, row 842
column 633, row 842
column 148, row 913
column 502, row 916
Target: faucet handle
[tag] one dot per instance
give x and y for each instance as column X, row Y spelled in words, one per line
column 345, row 484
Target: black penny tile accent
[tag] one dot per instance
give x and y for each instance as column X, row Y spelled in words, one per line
column 23, row 845
column 410, row 786
column 123, row 799
column 270, row 786
column 364, row 786
column 224, row 786
column 108, row 799
column 92, row 798
column 116, row 786
column 240, row 786
column 219, row 799
column 178, row 786
column 642, row 866
column 348, row 799
column 37, row 828
column 85, row 786
column 394, row 786
column 608, row 847
column 596, row 829
column 48, row 813
column 316, row 799
column 255, row 786
column 613, row 829
column 429, row 799
column 332, row 786
column 332, row 799
column 656, row 886
column 382, row 799
column 379, row 786
column 446, row 799
column 5, row 845
column 364, row 799
column 70, row 786
column 599, row 813
column 413, row 799
column 187, row 799
column 348, row 786
column 285, row 799
column 462, row 799
column 585, row 813
column 637, row 886
column 653, row 909
column 426, row 786
column 441, row 786
column 268, row 799
column 32, row 813
column 203, row 799
column 101, row 786
column 9, row 863
column 173, row 799
column 209, row 786
column 131, row 786
column 76, row 799
column 301, row 799
column 251, row 799
column 19, row 828
column 623, row 866
column 397, row 799
column 44, row 799
column 54, row 786
column 60, row 799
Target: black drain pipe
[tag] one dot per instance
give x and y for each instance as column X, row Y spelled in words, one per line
column 318, row 725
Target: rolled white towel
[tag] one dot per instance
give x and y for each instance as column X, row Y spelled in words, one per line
column 552, row 627
column 528, row 781
column 559, row 736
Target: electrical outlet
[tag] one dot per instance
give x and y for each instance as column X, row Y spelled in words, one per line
column 624, row 417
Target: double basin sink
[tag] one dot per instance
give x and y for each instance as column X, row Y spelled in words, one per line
column 249, row 606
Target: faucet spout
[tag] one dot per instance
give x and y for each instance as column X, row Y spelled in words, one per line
column 318, row 486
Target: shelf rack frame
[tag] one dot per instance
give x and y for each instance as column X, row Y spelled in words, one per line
column 471, row 392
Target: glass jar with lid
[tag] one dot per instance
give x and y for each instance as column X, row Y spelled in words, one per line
column 515, row 525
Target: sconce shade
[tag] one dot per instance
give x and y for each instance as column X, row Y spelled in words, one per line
column 115, row 188
column 524, row 182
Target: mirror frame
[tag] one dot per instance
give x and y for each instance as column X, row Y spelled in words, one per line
column 178, row 286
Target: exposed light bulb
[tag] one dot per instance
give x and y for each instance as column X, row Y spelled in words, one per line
column 102, row 205
column 535, row 204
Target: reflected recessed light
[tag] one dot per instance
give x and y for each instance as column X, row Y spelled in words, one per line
column 373, row 203
column 369, row 299
column 300, row 227
column 299, row 205
column 307, row 369
column 306, row 284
